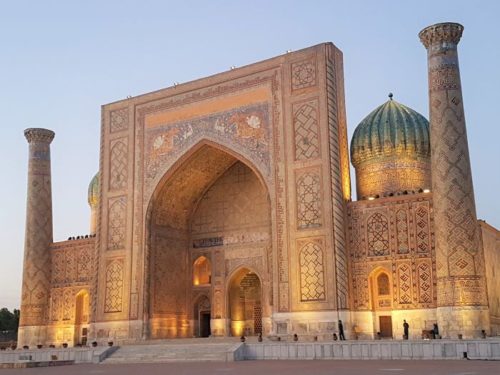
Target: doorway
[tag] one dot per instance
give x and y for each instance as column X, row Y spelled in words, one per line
column 83, row 336
column 81, row 318
column 385, row 323
column 205, row 324
column 202, row 316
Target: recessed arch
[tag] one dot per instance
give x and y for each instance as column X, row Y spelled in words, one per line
column 244, row 301
column 172, row 261
column 82, row 307
column 170, row 169
column 202, row 271
column 380, row 282
column 381, row 300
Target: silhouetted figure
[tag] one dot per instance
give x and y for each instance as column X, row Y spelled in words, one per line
column 435, row 331
column 341, row 330
column 406, row 328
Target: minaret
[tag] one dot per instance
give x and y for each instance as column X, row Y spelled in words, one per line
column 38, row 237
column 93, row 199
column 462, row 306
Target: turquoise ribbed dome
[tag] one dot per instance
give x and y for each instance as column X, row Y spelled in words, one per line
column 392, row 129
column 93, row 194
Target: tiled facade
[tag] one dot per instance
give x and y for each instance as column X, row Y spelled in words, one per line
column 240, row 180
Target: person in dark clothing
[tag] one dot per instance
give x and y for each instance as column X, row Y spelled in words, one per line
column 341, row 330
column 406, row 328
column 435, row 331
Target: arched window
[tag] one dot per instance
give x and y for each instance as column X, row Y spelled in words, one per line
column 383, row 287
column 202, row 271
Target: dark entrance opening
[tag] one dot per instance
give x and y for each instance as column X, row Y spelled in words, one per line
column 385, row 326
column 84, row 336
column 204, row 324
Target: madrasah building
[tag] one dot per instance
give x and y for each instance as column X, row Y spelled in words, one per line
column 222, row 207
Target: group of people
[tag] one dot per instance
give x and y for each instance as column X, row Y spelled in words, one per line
column 406, row 327
column 406, row 330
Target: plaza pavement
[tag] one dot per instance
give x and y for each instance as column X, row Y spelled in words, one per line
column 323, row 367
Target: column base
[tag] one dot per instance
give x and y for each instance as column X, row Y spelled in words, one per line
column 31, row 336
column 465, row 322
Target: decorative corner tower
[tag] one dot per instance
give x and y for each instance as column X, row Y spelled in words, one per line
column 93, row 199
column 38, row 237
column 462, row 306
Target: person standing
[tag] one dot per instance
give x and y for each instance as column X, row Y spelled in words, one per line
column 341, row 330
column 435, row 331
column 406, row 328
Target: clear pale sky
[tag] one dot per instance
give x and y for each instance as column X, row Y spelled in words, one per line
column 61, row 60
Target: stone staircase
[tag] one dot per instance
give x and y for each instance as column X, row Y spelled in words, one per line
column 180, row 350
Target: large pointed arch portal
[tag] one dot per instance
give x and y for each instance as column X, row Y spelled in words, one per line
column 213, row 205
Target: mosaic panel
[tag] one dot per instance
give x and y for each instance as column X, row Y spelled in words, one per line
column 422, row 226
column 117, row 223
column 247, row 127
column 71, row 263
column 312, row 279
column 377, row 228
column 360, row 286
column 55, row 305
column 424, row 276
column 68, row 304
column 308, row 200
column 84, row 265
column 303, row 74
column 71, row 259
column 356, row 236
column 305, row 123
column 402, row 232
column 404, row 284
column 169, row 276
column 118, row 166
column 118, row 120
column 114, row 287
column 58, row 267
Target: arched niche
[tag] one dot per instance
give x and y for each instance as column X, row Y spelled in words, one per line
column 175, row 234
column 82, row 305
column 202, row 271
column 381, row 301
column 245, row 303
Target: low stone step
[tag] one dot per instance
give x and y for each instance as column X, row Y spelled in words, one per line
column 172, row 352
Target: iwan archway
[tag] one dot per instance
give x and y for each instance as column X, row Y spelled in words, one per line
column 244, row 303
column 209, row 216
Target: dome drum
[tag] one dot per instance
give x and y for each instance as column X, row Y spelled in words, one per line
column 392, row 177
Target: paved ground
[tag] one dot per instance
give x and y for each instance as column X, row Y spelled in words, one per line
column 353, row 367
